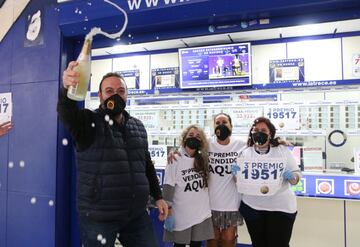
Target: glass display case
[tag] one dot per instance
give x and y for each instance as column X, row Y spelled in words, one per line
column 324, row 132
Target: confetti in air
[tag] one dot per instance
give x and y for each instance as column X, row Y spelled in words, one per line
column 33, row 200
column 11, row 164
column 22, row 163
column 65, row 142
column 96, row 30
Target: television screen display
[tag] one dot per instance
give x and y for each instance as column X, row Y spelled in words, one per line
column 215, row 66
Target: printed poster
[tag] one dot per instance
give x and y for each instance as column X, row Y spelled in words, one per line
column 286, row 70
column 5, row 107
column 132, row 78
column 356, row 65
column 284, row 117
column 158, row 154
column 165, row 77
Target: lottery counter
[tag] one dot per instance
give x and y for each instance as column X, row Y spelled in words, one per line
column 319, row 185
column 341, row 186
column 328, row 211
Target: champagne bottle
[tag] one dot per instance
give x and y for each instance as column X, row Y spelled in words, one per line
column 79, row 91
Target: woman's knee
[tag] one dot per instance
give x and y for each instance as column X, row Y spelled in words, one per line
column 229, row 234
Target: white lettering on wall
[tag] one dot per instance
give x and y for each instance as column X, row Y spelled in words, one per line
column 144, row 4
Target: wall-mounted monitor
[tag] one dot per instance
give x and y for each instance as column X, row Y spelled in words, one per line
column 215, row 66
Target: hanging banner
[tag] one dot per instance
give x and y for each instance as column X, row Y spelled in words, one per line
column 284, row 117
column 165, row 77
column 166, row 80
column 132, row 78
column 5, row 107
column 286, row 70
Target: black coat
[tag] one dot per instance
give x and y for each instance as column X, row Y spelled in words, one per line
column 115, row 175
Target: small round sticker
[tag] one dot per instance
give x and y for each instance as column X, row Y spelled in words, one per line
column 264, row 189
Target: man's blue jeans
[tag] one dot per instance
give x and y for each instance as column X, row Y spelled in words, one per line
column 138, row 232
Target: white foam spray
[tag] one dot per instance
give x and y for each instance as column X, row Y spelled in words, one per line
column 97, row 30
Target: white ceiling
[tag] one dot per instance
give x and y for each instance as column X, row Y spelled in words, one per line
column 9, row 12
column 264, row 34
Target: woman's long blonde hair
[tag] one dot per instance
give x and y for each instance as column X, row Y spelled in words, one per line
column 201, row 158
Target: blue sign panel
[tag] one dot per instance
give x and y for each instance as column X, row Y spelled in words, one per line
column 319, row 185
column 306, row 84
column 215, row 66
column 346, row 187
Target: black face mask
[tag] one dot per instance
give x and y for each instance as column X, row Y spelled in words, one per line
column 222, row 132
column 260, row 138
column 114, row 105
column 193, row 143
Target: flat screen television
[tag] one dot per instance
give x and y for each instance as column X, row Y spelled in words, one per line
column 215, row 66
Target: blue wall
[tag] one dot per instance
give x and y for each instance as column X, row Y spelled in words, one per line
column 31, row 74
column 179, row 19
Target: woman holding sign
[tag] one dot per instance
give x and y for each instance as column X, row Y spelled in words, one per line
column 186, row 192
column 265, row 169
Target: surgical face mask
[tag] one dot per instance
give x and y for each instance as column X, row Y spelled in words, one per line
column 193, row 143
column 222, row 132
column 114, row 105
column 260, row 138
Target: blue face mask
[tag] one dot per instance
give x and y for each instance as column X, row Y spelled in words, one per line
column 260, row 138
column 114, row 105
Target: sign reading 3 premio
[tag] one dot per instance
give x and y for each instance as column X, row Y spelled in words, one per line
column 284, row 117
column 215, row 66
column 259, row 177
column 286, row 70
column 158, row 154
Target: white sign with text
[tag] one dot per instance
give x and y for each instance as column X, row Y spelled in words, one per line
column 5, row 107
column 284, row 117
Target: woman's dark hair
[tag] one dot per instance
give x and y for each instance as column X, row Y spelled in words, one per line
column 201, row 158
column 273, row 141
column 224, row 114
